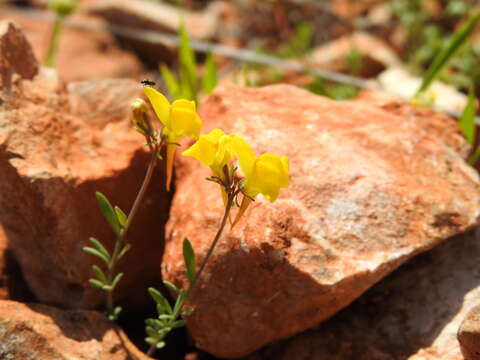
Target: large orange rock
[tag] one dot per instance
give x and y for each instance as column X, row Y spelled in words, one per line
column 412, row 314
column 371, row 186
column 40, row 332
column 59, row 144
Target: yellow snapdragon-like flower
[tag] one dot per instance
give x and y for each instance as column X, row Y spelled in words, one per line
column 179, row 119
column 214, row 150
column 265, row 174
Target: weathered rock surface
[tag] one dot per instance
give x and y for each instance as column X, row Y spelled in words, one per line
column 58, row 145
column 412, row 314
column 12, row 284
column 469, row 334
column 370, row 188
column 11, row 37
column 40, row 332
column 79, row 49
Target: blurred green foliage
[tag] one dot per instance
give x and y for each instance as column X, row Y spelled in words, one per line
column 189, row 82
column 427, row 35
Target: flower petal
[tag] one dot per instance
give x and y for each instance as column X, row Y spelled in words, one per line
column 244, row 152
column 160, row 105
column 185, row 122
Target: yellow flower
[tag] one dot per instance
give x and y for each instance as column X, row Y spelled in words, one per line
column 179, row 119
column 265, row 174
column 213, row 150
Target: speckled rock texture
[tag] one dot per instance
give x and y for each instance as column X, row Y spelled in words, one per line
column 413, row 314
column 59, row 144
column 372, row 185
column 39, row 332
column 469, row 333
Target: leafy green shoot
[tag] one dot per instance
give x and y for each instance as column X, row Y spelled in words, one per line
column 467, row 119
column 443, row 57
column 189, row 258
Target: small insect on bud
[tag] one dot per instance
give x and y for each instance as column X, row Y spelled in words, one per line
column 140, row 118
column 62, row 7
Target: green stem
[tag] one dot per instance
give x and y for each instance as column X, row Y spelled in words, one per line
column 54, row 41
column 121, row 237
column 192, row 285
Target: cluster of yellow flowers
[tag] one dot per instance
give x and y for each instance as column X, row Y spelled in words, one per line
column 264, row 174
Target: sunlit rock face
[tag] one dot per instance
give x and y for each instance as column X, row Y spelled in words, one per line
column 40, row 332
column 59, row 144
column 372, row 184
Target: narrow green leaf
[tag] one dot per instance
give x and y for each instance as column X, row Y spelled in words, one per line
column 187, row 57
column 99, row 246
column 107, row 287
column 116, row 280
column 178, row 323
column 123, row 251
column 171, row 286
column 187, row 311
column 150, row 332
column 95, row 252
column 210, row 77
column 161, row 344
column 96, row 283
column 108, row 212
column 179, row 301
column 165, row 317
column 160, row 300
column 189, row 258
column 467, row 119
column 100, row 274
column 121, row 217
column 171, row 82
column 444, row 56
column 475, row 157
column 187, row 87
column 117, row 310
column 150, row 322
column 150, row 340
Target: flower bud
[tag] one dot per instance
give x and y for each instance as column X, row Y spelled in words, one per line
column 140, row 119
column 62, row 7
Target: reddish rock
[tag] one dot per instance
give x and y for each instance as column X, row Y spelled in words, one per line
column 412, row 314
column 83, row 53
column 58, row 145
column 16, row 55
column 39, row 332
column 12, row 284
column 371, row 187
column 469, row 334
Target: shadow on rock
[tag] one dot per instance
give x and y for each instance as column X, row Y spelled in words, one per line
column 412, row 314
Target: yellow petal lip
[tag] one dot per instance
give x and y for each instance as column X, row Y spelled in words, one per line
column 184, row 104
column 268, row 175
column 203, row 150
column 213, row 150
column 184, row 122
column 160, row 105
column 244, row 153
